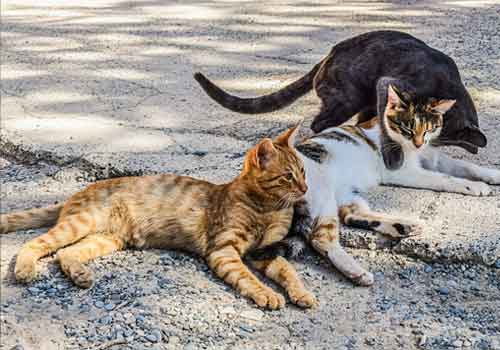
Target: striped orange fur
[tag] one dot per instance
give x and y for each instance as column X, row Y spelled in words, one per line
column 221, row 223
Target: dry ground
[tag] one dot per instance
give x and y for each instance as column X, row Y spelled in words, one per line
column 92, row 89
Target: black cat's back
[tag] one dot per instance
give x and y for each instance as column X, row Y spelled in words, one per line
column 353, row 79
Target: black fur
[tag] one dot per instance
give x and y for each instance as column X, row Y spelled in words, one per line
column 312, row 150
column 293, row 245
column 379, row 58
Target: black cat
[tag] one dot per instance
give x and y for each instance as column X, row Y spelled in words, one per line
column 354, row 77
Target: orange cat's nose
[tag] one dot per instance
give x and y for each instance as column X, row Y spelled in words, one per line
column 303, row 187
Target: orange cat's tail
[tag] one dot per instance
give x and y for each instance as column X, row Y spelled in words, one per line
column 27, row 219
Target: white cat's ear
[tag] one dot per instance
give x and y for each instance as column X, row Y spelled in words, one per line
column 442, row 106
column 288, row 137
column 394, row 98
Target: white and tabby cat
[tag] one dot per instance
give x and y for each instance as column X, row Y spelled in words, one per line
column 342, row 162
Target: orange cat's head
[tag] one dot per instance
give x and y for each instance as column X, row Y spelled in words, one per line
column 275, row 169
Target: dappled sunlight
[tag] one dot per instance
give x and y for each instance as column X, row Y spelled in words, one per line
column 105, row 73
column 161, row 51
column 186, row 12
column 487, row 96
column 57, row 96
column 253, row 84
column 123, row 73
column 472, row 3
column 100, row 134
column 45, row 44
column 14, row 73
column 85, row 56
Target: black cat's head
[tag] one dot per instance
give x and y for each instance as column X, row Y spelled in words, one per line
column 413, row 121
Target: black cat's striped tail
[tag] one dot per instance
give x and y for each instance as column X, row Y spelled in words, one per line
column 28, row 219
column 267, row 103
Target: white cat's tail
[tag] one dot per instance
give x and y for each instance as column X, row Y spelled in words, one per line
column 349, row 266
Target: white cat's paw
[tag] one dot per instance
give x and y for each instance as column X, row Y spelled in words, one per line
column 493, row 178
column 474, row 188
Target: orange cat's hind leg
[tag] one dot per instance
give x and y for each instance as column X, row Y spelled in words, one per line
column 67, row 231
column 73, row 258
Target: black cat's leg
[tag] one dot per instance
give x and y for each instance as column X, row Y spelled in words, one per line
column 392, row 152
column 340, row 100
column 293, row 246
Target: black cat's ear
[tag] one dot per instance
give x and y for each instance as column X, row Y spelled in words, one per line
column 395, row 98
column 442, row 106
column 473, row 135
column 392, row 153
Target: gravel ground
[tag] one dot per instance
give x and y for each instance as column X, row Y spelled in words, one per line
column 103, row 88
column 167, row 300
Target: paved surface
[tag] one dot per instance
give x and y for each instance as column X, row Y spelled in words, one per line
column 102, row 88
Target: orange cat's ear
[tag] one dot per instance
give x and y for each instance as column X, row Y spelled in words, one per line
column 264, row 153
column 394, row 98
column 442, row 106
column 288, row 137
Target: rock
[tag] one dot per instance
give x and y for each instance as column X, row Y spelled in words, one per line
column 422, row 341
column 106, row 320
column 444, row 290
column 153, row 338
column 428, row 269
column 99, row 304
column 457, row 344
column 497, row 264
column 109, row 306
column 190, row 346
column 33, row 290
column 255, row 315
column 228, row 310
column 200, row 153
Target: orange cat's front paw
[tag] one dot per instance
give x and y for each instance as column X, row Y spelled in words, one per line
column 269, row 299
column 303, row 298
column 25, row 269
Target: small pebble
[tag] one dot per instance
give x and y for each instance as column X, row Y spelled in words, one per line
column 444, row 291
column 99, row 304
column 109, row 306
column 152, row 338
column 497, row 264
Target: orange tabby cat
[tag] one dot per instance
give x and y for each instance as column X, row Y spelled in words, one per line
column 218, row 222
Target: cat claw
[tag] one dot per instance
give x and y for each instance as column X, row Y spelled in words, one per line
column 269, row 299
column 305, row 300
column 83, row 277
column 365, row 280
column 476, row 188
